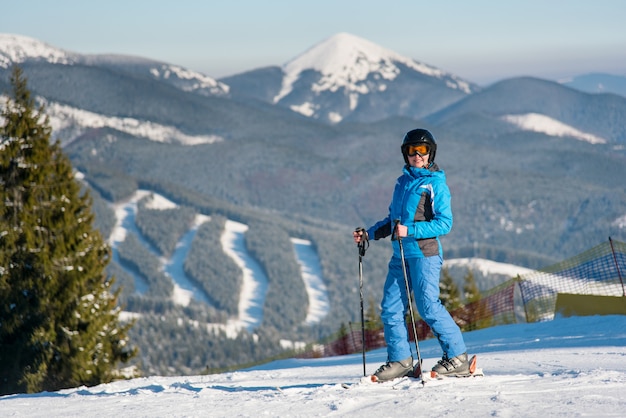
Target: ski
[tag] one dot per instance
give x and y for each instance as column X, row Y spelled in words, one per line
column 367, row 381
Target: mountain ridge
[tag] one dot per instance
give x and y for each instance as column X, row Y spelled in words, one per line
column 598, row 83
column 525, row 95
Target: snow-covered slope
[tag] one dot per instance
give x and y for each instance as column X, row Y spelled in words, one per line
column 550, row 126
column 68, row 123
column 487, row 267
column 566, row 367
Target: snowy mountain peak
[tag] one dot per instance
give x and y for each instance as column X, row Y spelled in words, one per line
column 346, row 76
column 346, row 56
column 346, row 60
column 18, row 48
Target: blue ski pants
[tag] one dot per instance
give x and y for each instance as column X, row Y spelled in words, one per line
column 423, row 275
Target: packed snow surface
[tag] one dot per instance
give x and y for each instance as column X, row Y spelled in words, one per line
column 565, row 367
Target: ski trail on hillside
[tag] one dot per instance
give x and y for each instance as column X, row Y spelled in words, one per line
column 310, row 266
column 185, row 289
column 255, row 283
column 125, row 214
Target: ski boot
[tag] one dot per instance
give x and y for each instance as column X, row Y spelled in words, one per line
column 458, row 366
column 393, row 369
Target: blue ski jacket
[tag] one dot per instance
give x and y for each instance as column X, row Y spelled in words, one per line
column 421, row 201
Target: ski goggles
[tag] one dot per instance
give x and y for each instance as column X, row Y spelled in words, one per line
column 420, row 149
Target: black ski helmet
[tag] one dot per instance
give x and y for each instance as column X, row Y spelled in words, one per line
column 419, row 136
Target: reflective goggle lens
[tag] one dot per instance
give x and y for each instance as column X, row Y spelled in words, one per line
column 421, row 150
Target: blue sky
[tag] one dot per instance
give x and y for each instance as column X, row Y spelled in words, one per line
column 480, row 40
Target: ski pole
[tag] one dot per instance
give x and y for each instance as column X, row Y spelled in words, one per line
column 363, row 244
column 408, row 295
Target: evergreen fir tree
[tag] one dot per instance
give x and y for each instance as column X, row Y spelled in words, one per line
column 59, row 324
column 470, row 288
column 372, row 316
column 449, row 292
column 480, row 315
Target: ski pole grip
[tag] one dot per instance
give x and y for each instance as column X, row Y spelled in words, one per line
column 364, row 243
column 394, row 234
